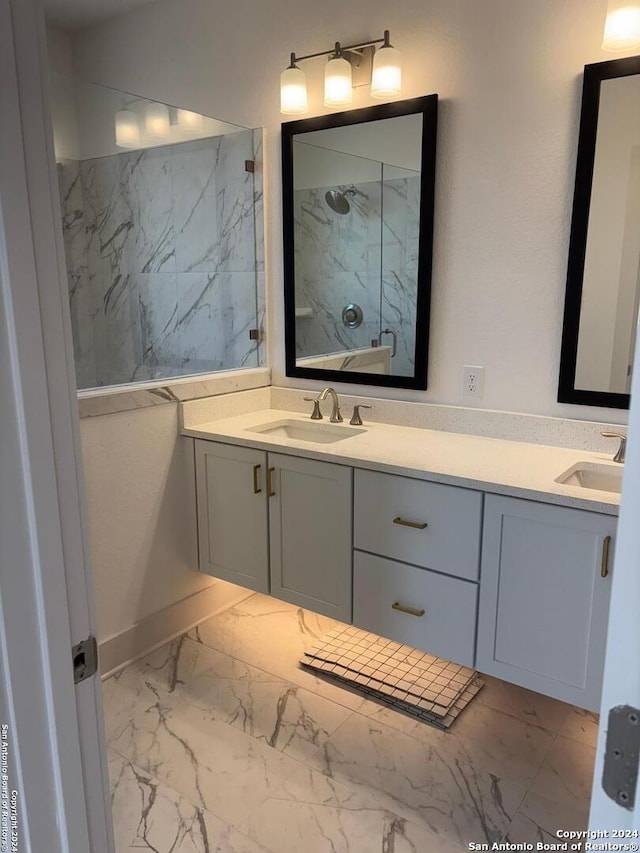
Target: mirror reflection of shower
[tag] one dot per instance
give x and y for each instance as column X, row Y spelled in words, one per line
column 338, row 201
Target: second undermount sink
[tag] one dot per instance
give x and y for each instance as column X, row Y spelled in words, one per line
column 318, row 433
column 592, row 475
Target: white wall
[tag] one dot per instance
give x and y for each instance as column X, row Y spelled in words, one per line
column 509, row 76
column 141, row 499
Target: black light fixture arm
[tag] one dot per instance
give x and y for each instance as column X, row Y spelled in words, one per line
column 339, row 48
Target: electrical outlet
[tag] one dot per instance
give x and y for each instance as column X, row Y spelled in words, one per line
column 473, row 381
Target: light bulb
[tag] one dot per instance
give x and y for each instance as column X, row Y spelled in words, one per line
column 338, row 88
column 622, row 27
column 293, row 91
column 386, row 77
column 190, row 124
column 127, row 130
column 156, row 123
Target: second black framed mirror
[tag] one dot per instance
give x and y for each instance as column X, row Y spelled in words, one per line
column 603, row 275
column 358, row 208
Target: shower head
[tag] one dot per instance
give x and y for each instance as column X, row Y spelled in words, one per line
column 337, row 200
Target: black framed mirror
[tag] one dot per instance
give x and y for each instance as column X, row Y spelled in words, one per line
column 358, row 198
column 603, row 275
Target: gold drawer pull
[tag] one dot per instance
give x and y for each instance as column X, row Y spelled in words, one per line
column 606, row 549
column 417, row 525
column 412, row 611
column 270, row 491
column 256, row 488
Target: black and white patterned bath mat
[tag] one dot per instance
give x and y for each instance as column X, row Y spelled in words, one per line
column 417, row 683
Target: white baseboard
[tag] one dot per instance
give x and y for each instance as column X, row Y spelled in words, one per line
column 154, row 631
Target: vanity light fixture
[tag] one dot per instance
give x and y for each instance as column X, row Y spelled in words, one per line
column 293, row 90
column 386, row 78
column 338, row 82
column 622, row 27
column 348, row 66
column 156, row 123
column 127, row 129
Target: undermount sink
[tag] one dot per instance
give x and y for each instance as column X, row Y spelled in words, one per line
column 591, row 475
column 313, row 431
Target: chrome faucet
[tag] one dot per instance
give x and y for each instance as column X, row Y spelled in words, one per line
column 622, row 450
column 336, row 417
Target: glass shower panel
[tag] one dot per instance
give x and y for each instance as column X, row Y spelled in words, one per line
column 399, row 268
column 161, row 241
column 337, row 221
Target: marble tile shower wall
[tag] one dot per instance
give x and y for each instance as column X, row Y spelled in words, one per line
column 164, row 258
column 368, row 256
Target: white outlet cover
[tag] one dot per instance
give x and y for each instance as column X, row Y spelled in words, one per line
column 473, row 381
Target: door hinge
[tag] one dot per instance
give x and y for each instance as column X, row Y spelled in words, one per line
column 620, row 773
column 249, row 165
column 256, row 335
column 85, row 659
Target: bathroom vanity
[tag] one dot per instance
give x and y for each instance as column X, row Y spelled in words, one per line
column 462, row 546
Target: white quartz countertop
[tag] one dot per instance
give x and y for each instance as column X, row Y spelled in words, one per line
column 513, row 468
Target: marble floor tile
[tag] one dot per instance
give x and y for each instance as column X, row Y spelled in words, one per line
column 494, row 742
column 219, row 767
column 541, row 817
column 284, row 715
column 272, row 635
column 288, row 825
column 148, row 815
column 426, row 784
column 523, row 704
column 488, row 739
column 219, row 741
column 567, row 774
column 581, row 725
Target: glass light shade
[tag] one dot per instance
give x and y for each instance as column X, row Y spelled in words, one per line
column 127, row 130
column 293, row 92
column 386, row 77
column 622, row 27
column 190, row 124
column 338, row 88
column 156, row 123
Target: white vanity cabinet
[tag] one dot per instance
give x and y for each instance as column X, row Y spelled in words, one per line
column 544, row 597
column 233, row 532
column 310, row 534
column 276, row 523
column 516, row 588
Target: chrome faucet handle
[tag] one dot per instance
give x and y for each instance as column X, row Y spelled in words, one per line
column 356, row 420
column 622, row 450
column 316, row 415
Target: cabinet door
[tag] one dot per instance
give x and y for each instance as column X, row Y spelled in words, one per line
column 310, row 527
column 544, row 603
column 233, row 535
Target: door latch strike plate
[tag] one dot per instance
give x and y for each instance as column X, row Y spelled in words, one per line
column 620, row 773
column 85, row 659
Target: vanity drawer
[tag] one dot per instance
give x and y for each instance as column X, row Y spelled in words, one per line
column 450, row 540
column 444, row 609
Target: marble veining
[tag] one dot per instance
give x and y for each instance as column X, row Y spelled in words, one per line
column 219, row 741
column 165, row 255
